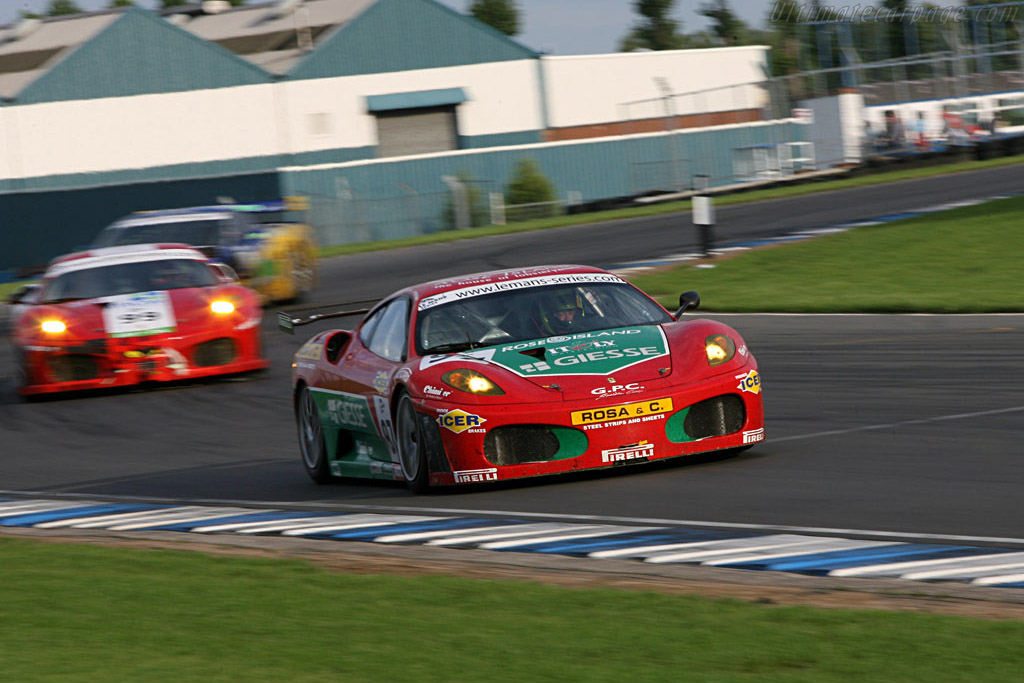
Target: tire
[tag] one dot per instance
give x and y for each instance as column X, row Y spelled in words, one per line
column 411, row 447
column 312, row 444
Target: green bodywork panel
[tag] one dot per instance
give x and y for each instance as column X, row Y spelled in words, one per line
column 354, row 446
column 674, row 427
column 572, row 442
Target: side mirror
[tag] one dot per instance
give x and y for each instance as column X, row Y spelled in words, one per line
column 21, row 293
column 687, row 301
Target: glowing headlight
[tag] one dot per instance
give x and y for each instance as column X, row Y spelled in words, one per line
column 53, row 326
column 222, row 307
column 720, row 349
column 472, row 382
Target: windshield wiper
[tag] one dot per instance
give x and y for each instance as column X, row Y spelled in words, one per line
column 66, row 299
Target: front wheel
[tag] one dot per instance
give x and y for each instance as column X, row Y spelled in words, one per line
column 412, row 450
column 311, row 438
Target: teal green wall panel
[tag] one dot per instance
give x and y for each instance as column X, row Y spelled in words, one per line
column 405, row 35
column 415, row 99
column 404, row 198
column 523, row 137
column 141, row 53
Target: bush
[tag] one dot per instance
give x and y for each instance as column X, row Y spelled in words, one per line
column 529, row 186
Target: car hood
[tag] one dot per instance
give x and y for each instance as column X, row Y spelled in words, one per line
column 586, row 364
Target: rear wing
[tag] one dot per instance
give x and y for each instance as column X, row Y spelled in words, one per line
column 283, row 205
column 287, row 321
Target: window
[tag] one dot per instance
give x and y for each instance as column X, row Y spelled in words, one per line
column 389, row 330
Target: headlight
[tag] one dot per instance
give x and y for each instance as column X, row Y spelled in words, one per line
column 222, row 307
column 53, row 326
column 472, row 382
column 719, row 348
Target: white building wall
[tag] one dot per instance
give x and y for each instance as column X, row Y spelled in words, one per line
column 594, row 89
column 292, row 117
column 837, row 129
column 92, row 136
column 330, row 113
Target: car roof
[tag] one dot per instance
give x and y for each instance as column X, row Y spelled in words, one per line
column 537, row 275
column 134, row 253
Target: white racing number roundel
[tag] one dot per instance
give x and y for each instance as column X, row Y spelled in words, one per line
column 139, row 315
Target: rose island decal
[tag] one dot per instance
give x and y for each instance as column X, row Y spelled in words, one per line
column 586, row 353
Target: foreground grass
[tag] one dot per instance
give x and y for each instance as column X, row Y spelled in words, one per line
column 79, row 613
column 960, row 261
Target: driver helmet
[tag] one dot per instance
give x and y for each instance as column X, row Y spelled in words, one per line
column 560, row 312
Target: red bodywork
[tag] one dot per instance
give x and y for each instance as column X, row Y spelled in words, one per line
column 85, row 356
column 633, row 414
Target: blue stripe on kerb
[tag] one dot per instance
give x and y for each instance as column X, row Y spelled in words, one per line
column 413, row 527
column 265, row 516
column 30, row 519
column 853, row 558
column 637, row 539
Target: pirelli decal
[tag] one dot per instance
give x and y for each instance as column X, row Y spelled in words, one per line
column 630, row 410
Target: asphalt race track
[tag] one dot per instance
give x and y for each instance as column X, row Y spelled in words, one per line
column 888, row 423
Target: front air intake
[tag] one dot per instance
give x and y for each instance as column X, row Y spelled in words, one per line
column 214, row 352
column 716, row 416
column 72, row 367
column 517, row 444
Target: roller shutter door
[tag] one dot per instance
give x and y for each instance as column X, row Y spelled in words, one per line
column 416, row 131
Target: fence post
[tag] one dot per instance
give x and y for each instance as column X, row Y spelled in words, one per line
column 459, row 201
column 497, row 208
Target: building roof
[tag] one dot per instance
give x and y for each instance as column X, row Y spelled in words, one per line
column 271, row 38
column 32, row 47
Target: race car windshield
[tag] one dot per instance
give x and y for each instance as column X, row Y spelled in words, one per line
column 533, row 313
column 128, row 278
column 198, row 233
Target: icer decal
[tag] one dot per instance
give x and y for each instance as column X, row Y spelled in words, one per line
column 750, row 382
column 459, row 420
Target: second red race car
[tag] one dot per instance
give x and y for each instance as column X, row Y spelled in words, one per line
column 520, row 373
column 124, row 315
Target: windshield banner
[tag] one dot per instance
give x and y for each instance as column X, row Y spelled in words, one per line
column 512, row 285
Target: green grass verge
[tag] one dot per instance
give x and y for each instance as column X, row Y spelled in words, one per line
column 792, row 189
column 959, row 261
column 73, row 613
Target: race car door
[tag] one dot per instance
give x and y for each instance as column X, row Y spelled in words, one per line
column 371, row 364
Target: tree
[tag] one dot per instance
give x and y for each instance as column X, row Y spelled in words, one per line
column 502, row 15
column 657, row 31
column 729, row 28
column 529, row 185
column 58, row 8
column 114, row 4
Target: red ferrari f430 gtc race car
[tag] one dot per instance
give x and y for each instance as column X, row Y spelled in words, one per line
column 519, row 373
column 123, row 315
